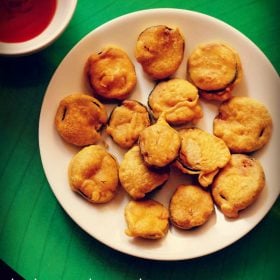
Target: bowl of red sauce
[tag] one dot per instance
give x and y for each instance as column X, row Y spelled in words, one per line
column 28, row 26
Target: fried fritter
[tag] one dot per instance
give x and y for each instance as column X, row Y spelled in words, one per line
column 215, row 68
column 244, row 124
column 201, row 153
column 190, row 206
column 160, row 50
column 147, row 219
column 93, row 173
column 79, row 118
column 136, row 177
column 238, row 184
column 111, row 73
column 159, row 143
column 127, row 121
column 178, row 99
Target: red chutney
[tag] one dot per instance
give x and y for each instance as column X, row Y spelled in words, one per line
column 22, row 20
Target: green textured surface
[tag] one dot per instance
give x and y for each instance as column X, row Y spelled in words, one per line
column 37, row 238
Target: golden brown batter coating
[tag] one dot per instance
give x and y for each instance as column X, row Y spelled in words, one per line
column 178, row 99
column 238, row 184
column 160, row 50
column 201, row 153
column 147, row 219
column 79, row 118
column 244, row 124
column 127, row 121
column 111, row 73
column 93, row 173
column 215, row 68
column 190, row 206
column 159, row 143
column 136, row 177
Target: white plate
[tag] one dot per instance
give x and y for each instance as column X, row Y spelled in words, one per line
column 106, row 222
